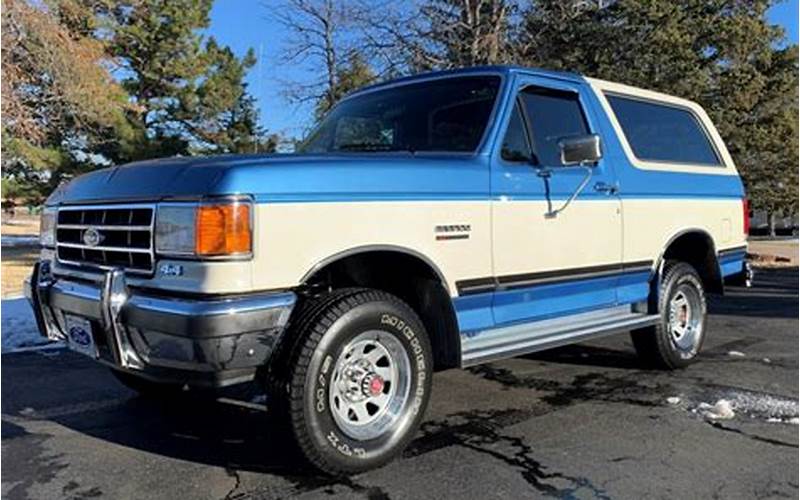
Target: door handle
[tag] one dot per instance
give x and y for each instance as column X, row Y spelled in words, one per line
column 603, row 187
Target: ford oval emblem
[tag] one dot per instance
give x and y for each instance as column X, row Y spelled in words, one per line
column 79, row 336
column 92, row 237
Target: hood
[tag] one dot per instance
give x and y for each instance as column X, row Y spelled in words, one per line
column 282, row 178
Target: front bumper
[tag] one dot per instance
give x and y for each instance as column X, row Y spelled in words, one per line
column 198, row 342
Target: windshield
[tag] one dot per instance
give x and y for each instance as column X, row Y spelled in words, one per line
column 449, row 114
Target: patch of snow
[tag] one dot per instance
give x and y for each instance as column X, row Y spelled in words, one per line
column 794, row 421
column 21, row 240
column 767, row 360
column 673, row 400
column 736, row 354
column 764, row 405
column 753, row 404
column 18, row 328
column 721, row 410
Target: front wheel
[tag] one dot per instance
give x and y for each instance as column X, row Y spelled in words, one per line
column 676, row 339
column 359, row 380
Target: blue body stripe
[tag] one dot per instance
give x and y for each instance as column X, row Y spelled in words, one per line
column 633, row 287
column 552, row 300
column 732, row 262
column 486, row 310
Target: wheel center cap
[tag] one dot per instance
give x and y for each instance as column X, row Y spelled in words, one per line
column 683, row 316
column 372, row 385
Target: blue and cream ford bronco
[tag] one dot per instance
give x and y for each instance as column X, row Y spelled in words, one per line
column 431, row 222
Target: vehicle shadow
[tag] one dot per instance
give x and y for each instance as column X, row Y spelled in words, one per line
column 773, row 295
column 197, row 429
column 85, row 398
column 589, row 355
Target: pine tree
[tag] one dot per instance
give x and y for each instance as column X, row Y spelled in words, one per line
column 349, row 77
column 187, row 88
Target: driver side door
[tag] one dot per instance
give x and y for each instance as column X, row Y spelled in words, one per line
column 546, row 267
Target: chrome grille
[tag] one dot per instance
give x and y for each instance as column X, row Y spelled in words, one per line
column 107, row 236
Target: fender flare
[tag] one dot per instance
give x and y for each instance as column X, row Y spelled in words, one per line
column 376, row 248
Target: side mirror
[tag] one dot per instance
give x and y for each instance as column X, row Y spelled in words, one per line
column 580, row 150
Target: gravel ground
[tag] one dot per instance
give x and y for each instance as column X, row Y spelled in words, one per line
column 585, row 421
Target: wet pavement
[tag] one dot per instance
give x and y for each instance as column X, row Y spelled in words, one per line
column 584, row 421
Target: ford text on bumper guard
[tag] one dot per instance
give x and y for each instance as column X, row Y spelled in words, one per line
column 209, row 343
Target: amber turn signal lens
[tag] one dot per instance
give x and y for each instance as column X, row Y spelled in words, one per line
column 223, row 229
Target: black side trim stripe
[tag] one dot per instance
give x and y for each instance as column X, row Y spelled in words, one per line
column 477, row 285
column 734, row 250
column 511, row 281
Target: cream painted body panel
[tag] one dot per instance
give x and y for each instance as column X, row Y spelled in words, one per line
column 292, row 239
column 587, row 233
column 649, row 224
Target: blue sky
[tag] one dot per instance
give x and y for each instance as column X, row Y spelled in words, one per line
column 242, row 24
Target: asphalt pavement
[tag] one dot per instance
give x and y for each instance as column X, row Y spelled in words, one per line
column 585, row 421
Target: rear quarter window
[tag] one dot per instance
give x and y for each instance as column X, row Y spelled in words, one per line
column 663, row 133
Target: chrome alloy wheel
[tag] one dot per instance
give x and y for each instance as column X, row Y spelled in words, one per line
column 370, row 385
column 685, row 318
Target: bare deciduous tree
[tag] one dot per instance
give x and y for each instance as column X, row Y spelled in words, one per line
column 439, row 34
column 323, row 36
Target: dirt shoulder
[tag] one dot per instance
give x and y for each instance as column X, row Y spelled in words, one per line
column 19, row 252
column 774, row 253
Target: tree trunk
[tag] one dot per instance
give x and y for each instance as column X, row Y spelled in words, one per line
column 771, row 223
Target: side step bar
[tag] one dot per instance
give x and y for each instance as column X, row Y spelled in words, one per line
column 516, row 340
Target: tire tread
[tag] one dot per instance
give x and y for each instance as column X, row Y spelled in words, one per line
column 313, row 322
column 651, row 344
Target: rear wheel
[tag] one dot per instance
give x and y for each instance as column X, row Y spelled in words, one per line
column 358, row 382
column 676, row 339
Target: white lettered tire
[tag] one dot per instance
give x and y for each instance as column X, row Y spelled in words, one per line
column 359, row 380
column 676, row 339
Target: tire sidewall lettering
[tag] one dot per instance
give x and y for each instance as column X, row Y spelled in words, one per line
column 321, row 380
column 321, row 393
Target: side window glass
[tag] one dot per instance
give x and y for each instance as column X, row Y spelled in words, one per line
column 553, row 115
column 653, row 130
column 515, row 143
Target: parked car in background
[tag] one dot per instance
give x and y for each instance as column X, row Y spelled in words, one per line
column 782, row 225
column 438, row 221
